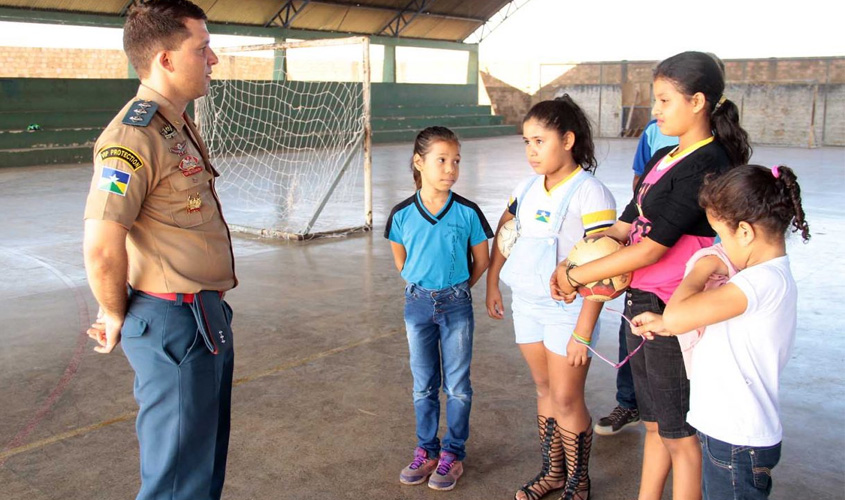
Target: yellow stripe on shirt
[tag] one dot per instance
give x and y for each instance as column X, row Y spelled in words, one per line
column 600, row 216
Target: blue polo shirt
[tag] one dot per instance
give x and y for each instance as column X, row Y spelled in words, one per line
column 651, row 140
column 437, row 245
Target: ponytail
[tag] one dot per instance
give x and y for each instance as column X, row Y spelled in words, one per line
column 726, row 128
column 694, row 72
column 564, row 115
column 423, row 143
column 792, row 192
column 768, row 197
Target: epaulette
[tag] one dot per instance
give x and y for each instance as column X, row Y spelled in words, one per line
column 140, row 113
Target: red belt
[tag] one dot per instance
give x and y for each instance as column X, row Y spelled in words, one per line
column 186, row 297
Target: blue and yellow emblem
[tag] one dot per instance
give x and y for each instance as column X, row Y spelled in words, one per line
column 114, row 181
column 543, row 215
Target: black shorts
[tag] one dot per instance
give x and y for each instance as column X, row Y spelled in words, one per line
column 660, row 379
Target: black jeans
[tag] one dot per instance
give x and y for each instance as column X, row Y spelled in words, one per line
column 660, row 379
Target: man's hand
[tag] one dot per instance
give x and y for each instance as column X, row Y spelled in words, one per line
column 106, row 331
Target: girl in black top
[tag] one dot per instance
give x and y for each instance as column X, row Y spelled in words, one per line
column 663, row 226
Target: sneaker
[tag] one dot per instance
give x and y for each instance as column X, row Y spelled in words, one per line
column 419, row 469
column 618, row 419
column 449, row 469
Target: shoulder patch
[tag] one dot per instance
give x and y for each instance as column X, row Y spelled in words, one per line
column 125, row 155
column 114, row 181
column 140, row 113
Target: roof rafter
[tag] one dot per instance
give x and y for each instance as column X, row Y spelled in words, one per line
column 126, row 7
column 495, row 21
column 354, row 5
column 287, row 12
column 404, row 17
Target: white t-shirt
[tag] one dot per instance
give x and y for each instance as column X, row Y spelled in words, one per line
column 591, row 209
column 734, row 387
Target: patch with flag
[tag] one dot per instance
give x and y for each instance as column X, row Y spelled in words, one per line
column 114, row 181
column 543, row 215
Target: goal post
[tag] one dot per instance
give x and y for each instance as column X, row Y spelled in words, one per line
column 288, row 127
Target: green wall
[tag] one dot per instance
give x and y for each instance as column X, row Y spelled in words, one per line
column 73, row 112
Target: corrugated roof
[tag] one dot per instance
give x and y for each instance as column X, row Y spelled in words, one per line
column 452, row 20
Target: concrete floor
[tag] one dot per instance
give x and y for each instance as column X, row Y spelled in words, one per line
column 322, row 405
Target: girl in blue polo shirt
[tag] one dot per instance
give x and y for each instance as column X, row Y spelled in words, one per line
column 439, row 244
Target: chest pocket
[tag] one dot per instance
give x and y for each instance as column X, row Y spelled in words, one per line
column 191, row 201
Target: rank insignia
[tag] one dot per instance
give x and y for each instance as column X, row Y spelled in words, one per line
column 543, row 215
column 180, row 148
column 194, row 203
column 114, row 181
column 190, row 165
column 125, row 155
column 140, row 113
column 168, row 131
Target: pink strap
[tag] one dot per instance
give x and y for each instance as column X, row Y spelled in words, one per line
column 688, row 340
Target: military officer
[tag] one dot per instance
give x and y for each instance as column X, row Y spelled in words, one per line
column 158, row 256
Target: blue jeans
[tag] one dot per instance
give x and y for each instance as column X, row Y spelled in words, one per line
column 730, row 472
column 439, row 325
column 184, row 398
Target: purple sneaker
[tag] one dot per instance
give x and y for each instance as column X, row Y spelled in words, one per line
column 449, row 469
column 419, row 469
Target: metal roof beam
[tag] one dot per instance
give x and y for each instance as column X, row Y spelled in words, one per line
column 126, row 6
column 290, row 10
column 404, row 17
column 354, row 5
column 495, row 21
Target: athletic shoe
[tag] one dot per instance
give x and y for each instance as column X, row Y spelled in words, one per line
column 449, row 469
column 419, row 469
column 618, row 419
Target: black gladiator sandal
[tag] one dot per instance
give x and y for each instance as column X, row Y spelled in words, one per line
column 554, row 470
column 577, row 450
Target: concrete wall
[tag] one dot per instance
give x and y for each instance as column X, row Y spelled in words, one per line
column 797, row 102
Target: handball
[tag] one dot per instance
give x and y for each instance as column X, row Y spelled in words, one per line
column 507, row 237
column 590, row 249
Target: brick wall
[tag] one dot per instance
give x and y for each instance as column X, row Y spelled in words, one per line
column 798, row 101
column 31, row 62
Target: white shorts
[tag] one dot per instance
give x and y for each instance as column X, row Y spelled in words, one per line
column 546, row 321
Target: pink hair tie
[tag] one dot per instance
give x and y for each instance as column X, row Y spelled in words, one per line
column 775, row 172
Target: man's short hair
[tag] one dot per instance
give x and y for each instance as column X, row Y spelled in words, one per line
column 156, row 25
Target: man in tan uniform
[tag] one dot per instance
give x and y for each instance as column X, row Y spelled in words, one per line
column 153, row 221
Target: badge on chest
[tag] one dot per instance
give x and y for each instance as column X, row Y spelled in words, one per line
column 190, row 165
column 194, row 203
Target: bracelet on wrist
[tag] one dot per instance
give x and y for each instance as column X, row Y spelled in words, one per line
column 572, row 282
column 581, row 339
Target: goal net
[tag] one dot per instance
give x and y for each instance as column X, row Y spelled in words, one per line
column 287, row 126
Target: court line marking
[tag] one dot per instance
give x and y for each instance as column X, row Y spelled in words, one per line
column 6, row 454
column 84, row 318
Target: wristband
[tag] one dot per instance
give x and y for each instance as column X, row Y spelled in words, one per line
column 581, row 339
column 572, row 282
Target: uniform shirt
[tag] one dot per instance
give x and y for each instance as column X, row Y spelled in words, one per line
column 591, row 209
column 734, row 386
column 651, row 140
column 437, row 245
column 153, row 177
column 671, row 206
